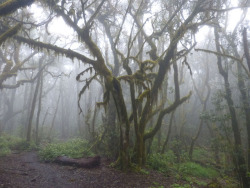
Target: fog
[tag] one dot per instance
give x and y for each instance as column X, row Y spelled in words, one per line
column 132, row 78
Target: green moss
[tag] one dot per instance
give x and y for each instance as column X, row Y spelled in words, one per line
column 143, row 95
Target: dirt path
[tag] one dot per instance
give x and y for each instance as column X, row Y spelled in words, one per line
column 25, row 170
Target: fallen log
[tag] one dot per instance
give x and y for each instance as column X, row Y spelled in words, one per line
column 90, row 162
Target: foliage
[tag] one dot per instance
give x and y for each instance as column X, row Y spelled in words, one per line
column 166, row 163
column 74, row 148
column 156, row 185
column 161, row 162
column 204, row 155
column 196, row 170
column 8, row 143
column 192, row 173
column 176, row 185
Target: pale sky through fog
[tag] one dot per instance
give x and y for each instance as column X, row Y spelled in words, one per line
column 58, row 26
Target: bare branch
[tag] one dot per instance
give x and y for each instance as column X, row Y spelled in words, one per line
column 240, row 61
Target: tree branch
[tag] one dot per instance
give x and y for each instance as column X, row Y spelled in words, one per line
column 12, row 5
column 167, row 110
column 61, row 51
column 240, row 61
column 246, row 48
column 9, row 33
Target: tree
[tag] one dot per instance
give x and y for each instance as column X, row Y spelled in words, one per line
column 34, row 99
column 112, row 83
column 221, row 54
column 240, row 161
column 7, row 7
column 142, row 69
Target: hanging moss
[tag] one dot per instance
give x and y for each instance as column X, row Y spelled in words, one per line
column 146, row 64
column 83, row 72
column 8, row 66
column 106, row 97
column 126, row 78
column 57, row 50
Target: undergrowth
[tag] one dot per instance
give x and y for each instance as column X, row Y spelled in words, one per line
column 196, row 170
column 161, row 162
column 9, row 143
column 74, row 148
column 192, row 173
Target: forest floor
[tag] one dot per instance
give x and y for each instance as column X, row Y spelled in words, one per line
column 26, row 170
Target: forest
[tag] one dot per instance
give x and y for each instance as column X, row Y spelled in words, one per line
column 125, row 93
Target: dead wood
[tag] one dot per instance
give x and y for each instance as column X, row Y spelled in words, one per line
column 89, row 162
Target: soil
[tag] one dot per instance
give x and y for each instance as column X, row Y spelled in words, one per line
column 26, row 170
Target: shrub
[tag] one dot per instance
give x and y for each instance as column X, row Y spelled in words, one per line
column 201, row 154
column 160, row 162
column 8, row 143
column 74, row 148
column 4, row 151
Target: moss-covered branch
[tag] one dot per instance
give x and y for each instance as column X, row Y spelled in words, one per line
column 10, row 6
column 220, row 54
column 143, row 95
column 60, row 51
column 9, row 33
column 9, row 70
column 167, row 110
column 13, row 72
column 164, row 65
column 240, row 61
column 84, row 35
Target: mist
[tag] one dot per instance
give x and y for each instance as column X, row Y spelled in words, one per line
column 135, row 83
